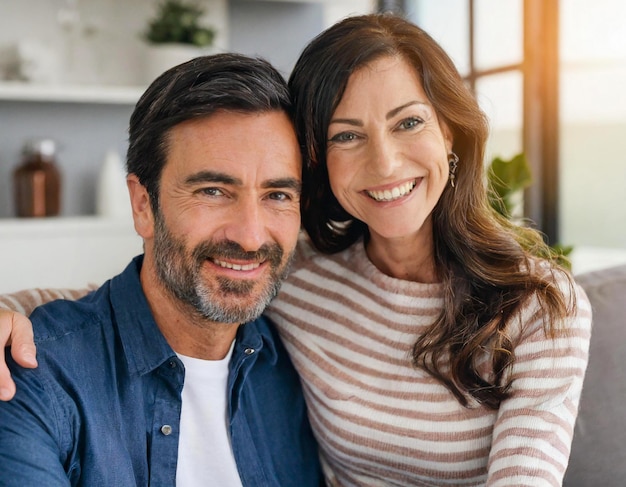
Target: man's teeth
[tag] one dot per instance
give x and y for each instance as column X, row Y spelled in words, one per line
column 392, row 194
column 237, row 267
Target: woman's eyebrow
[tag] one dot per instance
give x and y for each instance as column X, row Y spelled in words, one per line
column 347, row 121
column 392, row 113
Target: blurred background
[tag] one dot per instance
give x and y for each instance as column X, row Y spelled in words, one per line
column 548, row 73
column 550, row 76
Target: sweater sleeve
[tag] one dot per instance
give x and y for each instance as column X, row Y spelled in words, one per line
column 26, row 301
column 534, row 429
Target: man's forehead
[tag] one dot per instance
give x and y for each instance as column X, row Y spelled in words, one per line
column 235, row 144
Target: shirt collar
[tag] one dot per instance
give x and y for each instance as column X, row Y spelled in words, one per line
column 144, row 345
column 257, row 335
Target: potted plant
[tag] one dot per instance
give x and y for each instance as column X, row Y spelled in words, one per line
column 176, row 35
column 506, row 180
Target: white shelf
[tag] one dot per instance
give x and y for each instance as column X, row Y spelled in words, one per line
column 63, row 225
column 18, row 91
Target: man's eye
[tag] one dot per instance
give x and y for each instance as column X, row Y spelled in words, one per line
column 343, row 137
column 410, row 123
column 280, row 196
column 211, row 191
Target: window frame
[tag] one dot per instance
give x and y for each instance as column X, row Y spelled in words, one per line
column 540, row 119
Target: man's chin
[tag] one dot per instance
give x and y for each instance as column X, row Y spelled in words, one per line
column 233, row 288
column 232, row 314
column 237, row 303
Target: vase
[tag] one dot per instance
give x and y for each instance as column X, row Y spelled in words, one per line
column 37, row 181
column 161, row 57
column 112, row 200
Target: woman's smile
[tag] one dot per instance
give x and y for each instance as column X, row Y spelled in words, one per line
column 392, row 194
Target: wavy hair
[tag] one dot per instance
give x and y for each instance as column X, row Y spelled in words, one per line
column 487, row 264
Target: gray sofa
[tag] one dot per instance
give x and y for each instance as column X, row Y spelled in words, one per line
column 598, row 456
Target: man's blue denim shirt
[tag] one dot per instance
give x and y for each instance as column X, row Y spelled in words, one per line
column 103, row 407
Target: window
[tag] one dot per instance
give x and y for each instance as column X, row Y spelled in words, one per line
column 593, row 125
column 549, row 75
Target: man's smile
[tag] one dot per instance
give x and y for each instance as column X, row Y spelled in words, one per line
column 237, row 267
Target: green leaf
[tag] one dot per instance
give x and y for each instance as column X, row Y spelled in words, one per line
column 178, row 22
column 506, row 178
column 510, row 176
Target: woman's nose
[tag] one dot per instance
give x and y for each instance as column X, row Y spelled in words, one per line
column 384, row 158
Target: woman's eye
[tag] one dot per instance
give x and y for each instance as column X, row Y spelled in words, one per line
column 343, row 137
column 410, row 123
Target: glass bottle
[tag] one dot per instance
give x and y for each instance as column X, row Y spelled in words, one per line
column 37, row 180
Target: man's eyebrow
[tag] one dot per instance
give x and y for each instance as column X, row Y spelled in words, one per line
column 219, row 177
column 282, row 183
column 212, row 177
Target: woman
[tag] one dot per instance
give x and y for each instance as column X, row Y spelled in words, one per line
column 438, row 344
column 434, row 347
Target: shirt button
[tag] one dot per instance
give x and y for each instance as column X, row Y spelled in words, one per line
column 249, row 351
column 166, row 429
column 172, row 364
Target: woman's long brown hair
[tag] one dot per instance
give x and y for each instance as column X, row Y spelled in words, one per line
column 489, row 266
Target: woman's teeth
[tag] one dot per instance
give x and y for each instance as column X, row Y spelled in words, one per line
column 237, row 267
column 392, row 194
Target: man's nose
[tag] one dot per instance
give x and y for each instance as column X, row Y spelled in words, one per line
column 248, row 225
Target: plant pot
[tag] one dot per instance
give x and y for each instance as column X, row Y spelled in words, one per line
column 161, row 57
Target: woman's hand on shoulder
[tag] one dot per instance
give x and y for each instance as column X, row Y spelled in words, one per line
column 16, row 331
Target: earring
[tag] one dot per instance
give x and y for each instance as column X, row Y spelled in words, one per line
column 453, row 160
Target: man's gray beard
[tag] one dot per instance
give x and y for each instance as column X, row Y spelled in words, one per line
column 181, row 276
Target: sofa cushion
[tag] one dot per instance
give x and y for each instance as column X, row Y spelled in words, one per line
column 598, row 455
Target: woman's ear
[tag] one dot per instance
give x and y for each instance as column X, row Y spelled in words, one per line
column 142, row 209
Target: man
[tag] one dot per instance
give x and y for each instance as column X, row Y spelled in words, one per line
column 153, row 379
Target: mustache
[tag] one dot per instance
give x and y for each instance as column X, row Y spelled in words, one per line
column 227, row 249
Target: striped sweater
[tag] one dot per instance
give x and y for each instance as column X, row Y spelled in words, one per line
column 382, row 422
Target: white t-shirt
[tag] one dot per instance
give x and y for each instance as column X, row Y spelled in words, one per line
column 205, row 455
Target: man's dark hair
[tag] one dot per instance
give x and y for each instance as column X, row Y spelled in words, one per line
column 196, row 89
